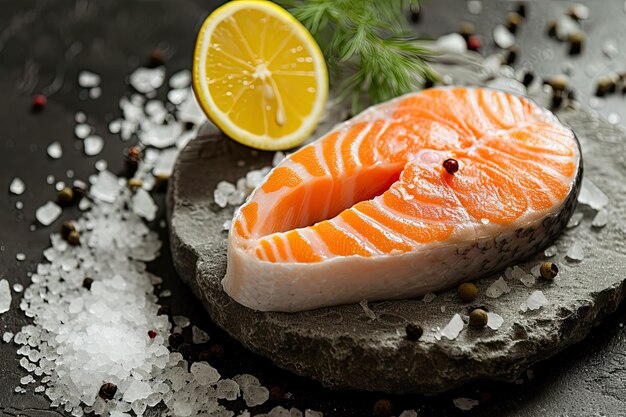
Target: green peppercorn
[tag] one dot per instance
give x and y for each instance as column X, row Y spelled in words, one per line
column 383, row 408
column 478, row 318
column 548, row 270
column 73, row 238
column 467, row 292
column 65, row 197
column 66, row 229
column 413, row 332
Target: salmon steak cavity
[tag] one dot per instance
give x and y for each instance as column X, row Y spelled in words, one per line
column 369, row 211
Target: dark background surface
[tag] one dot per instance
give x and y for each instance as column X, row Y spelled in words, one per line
column 43, row 46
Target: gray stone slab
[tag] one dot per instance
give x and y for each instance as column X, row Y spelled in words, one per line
column 342, row 347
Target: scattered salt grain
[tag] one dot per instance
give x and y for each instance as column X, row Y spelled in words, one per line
column 475, row 6
column 494, row 321
column 498, row 288
column 17, row 287
column 566, row 27
column 312, row 413
column 5, row 296
column 54, row 150
column 198, row 335
column 27, row 380
column 227, row 225
column 105, row 187
column 592, row 196
column 581, row 11
column 503, row 37
column 613, row 118
column 146, row 80
column 95, row 93
column 93, row 145
column 204, row 373
column 408, row 413
column 143, row 205
column 20, row 256
column 453, row 328
column 181, row 79
column 48, row 213
column 7, row 337
column 17, row 186
column 278, row 157
column 535, row 301
column 227, row 389
column 80, row 117
column 452, row 43
column 165, row 293
column 550, row 251
column 181, row 321
column 429, row 297
column 88, row 79
column 575, row 252
column 601, row 219
column 465, row 404
column 575, row 220
column 536, row 270
column 82, row 130
column 610, row 49
column 367, row 310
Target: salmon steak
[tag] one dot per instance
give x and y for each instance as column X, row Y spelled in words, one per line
column 412, row 196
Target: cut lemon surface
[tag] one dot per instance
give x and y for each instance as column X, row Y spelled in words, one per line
column 259, row 75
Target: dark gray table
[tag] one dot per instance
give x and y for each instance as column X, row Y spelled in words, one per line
column 43, row 45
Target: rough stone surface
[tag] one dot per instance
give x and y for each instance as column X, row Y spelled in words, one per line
column 342, row 347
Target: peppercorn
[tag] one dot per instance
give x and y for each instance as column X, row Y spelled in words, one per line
column 451, row 166
column 557, row 99
column 216, row 351
column 66, row 228
column 164, row 310
column 413, row 332
column 548, row 270
column 175, row 339
column 73, row 238
column 511, row 55
column 478, row 318
column 467, row 29
column 383, row 408
column 528, row 78
column 558, row 82
column 80, row 189
column 416, row 12
column 133, row 156
column 135, row 183
column 107, row 391
column 189, row 125
column 87, row 283
column 185, row 349
column 552, row 28
column 576, row 41
column 152, row 333
column 521, row 9
column 467, row 292
column 39, row 102
column 513, row 20
column 157, row 58
column 276, row 394
column 474, row 43
column 65, row 197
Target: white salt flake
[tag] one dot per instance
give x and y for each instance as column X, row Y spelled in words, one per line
column 204, row 373
column 189, row 111
column 199, row 336
column 82, row 130
column 452, row 43
column 575, row 220
column 536, row 271
column 255, row 395
column 498, row 288
column 580, row 10
column 88, row 79
column 160, row 136
column 5, row 296
column 143, row 205
column 146, row 80
column 95, row 93
column 601, row 219
column 429, row 297
column 535, row 301
column 453, row 328
column 550, row 251
column 566, row 27
column 27, row 380
column 181, row 321
column 408, row 413
column 18, row 288
column 610, row 49
column 20, row 256
column 7, row 337
column 475, row 6
column 93, row 145
column 106, row 187
column 48, row 213
column 465, row 404
column 494, row 321
column 367, row 310
column 137, row 390
column 164, row 164
column 177, row 96
column 54, row 150
column 278, row 157
column 181, row 79
column 17, row 186
column 227, row 225
column 575, row 252
column 227, row 389
column 312, row 413
column 279, row 411
column 503, row 37
column 592, row 196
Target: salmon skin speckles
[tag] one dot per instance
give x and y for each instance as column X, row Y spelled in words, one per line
column 374, row 192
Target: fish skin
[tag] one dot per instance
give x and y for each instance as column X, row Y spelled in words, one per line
column 293, row 286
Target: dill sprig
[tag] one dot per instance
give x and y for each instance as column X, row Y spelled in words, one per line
column 368, row 45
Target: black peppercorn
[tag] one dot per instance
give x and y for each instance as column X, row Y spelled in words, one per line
column 413, row 332
column 73, row 238
column 383, row 408
column 175, row 339
column 87, row 283
column 451, row 166
column 107, row 391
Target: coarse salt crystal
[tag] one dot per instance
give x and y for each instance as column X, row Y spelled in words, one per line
column 494, row 321
column 575, row 252
column 601, row 219
column 465, row 404
column 453, row 328
column 498, row 288
column 17, row 186
column 429, row 297
column 5, row 296
column 535, row 301
column 48, row 213
column 591, row 195
column 54, row 150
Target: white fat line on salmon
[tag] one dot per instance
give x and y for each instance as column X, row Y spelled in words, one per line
column 391, row 235
column 356, row 144
column 346, row 229
column 315, row 242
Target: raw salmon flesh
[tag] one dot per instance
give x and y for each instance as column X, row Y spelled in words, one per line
column 368, row 211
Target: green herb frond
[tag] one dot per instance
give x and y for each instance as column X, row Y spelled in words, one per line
column 367, row 43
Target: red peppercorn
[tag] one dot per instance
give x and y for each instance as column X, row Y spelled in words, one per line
column 152, row 333
column 276, row 394
column 474, row 43
column 451, row 166
column 39, row 102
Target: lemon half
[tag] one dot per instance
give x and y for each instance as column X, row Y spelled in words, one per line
column 259, row 75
